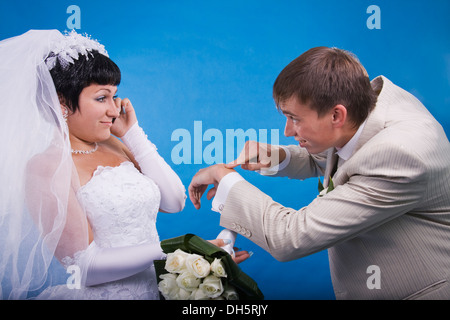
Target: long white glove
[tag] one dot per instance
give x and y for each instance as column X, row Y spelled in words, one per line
column 173, row 192
column 101, row 265
column 230, row 237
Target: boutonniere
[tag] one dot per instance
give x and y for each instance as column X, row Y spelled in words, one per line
column 322, row 190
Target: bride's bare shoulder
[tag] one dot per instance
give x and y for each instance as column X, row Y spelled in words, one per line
column 117, row 145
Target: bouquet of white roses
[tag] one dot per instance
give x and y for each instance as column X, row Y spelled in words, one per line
column 195, row 269
column 192, row 277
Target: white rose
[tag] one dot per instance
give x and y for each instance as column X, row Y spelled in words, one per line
column 168, row 285
column 198, row 294
column 176, row 261
column 187, row 281
column 169, row 288
column 212, row 286
column 218, row 268
column 181, row 294
column 198, row 265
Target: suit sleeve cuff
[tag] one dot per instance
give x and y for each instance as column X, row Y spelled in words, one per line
column 223, row 189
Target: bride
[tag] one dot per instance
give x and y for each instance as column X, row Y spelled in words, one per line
column 72, row 190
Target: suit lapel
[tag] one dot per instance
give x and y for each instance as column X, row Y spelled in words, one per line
column 332, row 159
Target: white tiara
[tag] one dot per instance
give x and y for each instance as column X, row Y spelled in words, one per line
column 70, row 47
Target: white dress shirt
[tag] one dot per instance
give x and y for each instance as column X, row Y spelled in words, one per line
column 346, row 151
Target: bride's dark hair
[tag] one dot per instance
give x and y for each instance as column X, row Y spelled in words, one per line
column 72, row 79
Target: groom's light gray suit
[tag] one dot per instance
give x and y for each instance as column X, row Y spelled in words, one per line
column 390, row 207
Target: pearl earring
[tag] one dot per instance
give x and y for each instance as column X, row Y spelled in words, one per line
column 65, row 113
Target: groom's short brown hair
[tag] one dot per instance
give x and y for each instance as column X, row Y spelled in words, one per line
column 323, row 77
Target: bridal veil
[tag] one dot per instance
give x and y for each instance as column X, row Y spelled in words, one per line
column 38, row 220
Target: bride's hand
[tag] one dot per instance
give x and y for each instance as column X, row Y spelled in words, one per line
column 239, row 256
column 126, row 119
column 202, row 179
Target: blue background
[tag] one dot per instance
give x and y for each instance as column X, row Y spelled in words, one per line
column 216, row 61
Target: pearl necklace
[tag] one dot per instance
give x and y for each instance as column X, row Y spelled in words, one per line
column 85, row 151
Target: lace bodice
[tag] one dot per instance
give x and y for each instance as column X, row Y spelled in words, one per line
column 121, row 205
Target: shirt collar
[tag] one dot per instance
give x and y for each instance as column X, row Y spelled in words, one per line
column 347, row 150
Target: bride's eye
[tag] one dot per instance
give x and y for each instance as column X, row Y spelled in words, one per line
column 101, row 99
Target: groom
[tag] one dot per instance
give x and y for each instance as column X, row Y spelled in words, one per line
column 386, row 167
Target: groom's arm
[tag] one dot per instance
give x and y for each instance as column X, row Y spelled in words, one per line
column 369, row 199
column 298, row 164
column 250, row 212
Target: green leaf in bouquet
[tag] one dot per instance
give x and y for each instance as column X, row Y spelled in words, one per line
column 190, row 243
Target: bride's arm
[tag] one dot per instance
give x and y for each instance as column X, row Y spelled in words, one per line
column 147, row 158
column 101, row 265
column 151, row 164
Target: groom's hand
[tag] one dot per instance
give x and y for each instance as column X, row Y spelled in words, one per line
column 257, row 155
column 202, row 179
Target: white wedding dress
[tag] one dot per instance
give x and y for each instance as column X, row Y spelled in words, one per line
column 122, row 205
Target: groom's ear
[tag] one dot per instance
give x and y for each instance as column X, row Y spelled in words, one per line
column 338, row 115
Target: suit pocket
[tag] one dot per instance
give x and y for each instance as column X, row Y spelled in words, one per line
column 436, row 291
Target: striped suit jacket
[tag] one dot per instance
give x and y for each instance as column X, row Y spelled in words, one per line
column 389, row 211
